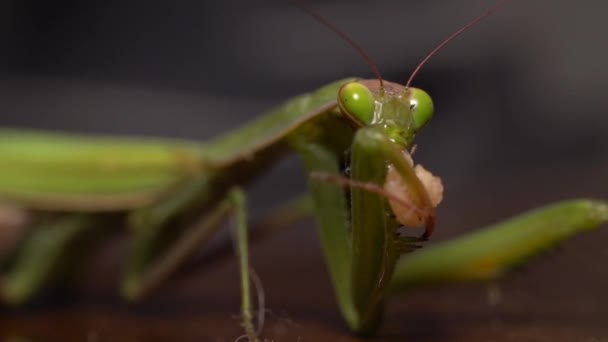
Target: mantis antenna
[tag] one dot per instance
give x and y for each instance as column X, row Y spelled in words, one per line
column 463, row 29
column 318, row 17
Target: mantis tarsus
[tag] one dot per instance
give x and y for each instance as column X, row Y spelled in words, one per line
column 161, row 185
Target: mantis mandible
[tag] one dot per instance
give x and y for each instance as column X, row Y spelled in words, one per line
column 175, row 194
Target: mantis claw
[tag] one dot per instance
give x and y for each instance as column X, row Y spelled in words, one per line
column 429, row 226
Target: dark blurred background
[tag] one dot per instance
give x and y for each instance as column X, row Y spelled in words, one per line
column 520, row 120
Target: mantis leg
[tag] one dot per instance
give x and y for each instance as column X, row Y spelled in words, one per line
column 281, row 218
column 167, row 235
column 51, row 249
column 237, row 200
column 284, row 216
column 14, row 225
column 489, row 253
column 152, row 274
column 146, row 273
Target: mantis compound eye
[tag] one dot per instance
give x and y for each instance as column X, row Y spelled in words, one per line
column 357, row 101
column 421, row 106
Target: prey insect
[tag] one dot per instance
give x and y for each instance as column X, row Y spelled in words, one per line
column 175, row 194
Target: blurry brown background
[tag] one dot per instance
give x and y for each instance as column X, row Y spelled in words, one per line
column 520, row 121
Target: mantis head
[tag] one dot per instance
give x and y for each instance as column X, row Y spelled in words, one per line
column 399, row 111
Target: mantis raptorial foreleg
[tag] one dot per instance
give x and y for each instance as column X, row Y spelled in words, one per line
column 360, row 245
column 376, row 242
column 331, row 213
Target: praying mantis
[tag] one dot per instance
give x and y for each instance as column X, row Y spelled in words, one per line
column 158, row 186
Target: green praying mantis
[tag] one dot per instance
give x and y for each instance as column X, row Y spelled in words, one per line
column 174, row 195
